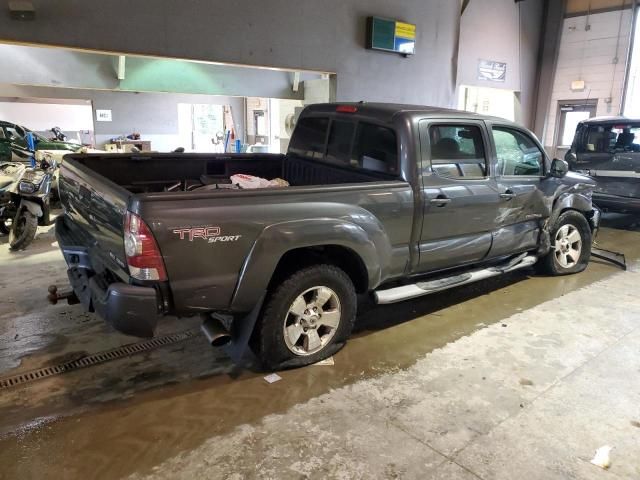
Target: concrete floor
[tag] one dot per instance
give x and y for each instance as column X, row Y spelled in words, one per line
column 515, row 378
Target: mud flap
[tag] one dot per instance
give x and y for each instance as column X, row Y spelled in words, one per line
column 241, row 330
column 609, row 256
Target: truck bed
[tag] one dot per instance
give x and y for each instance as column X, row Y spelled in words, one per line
column 173, row 172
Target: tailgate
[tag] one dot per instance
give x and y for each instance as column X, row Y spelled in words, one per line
column 97, row 206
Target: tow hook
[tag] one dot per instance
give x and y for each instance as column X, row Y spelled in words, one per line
column 55, row 295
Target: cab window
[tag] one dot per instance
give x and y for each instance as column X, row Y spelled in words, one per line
column 15, row 132
column 518, row 154
column 339, row 144
column 376, row 149
column 457, row 151
column 309, row 137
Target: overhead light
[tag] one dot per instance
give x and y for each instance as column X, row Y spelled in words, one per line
column 22, row 10
column 577, row 86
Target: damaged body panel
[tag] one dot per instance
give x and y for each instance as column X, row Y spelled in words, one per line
column 608, row 150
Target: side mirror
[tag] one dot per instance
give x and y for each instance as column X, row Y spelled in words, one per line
column 559, row 168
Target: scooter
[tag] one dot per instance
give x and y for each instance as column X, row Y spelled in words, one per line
column 24, row 200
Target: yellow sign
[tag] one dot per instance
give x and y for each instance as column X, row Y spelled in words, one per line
column 405, row 30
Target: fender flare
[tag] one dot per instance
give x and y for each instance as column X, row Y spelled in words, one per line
column 278, row 239
column 34, row 208
column 570, row 201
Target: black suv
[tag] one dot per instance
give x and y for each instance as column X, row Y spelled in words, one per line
column 608, row 149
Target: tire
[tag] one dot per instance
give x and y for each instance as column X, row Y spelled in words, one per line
column 23, row 230
column 570, row 245
column 4, row 229
column 284, row 338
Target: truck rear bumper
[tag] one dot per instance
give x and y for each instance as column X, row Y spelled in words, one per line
column 130, row 309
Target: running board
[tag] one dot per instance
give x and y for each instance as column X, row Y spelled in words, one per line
column 419, row 289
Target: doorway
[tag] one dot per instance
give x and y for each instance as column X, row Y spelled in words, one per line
column 570, row 113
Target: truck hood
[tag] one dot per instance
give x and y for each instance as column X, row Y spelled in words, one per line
column 578, row 180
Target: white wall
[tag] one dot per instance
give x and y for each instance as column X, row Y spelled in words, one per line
column 503, row 31
column 589, row 55
column 632, row 107
column 44, row 116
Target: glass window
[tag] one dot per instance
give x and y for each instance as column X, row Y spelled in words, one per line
column 517, row 153
column 376, row 149
column 457, row 151
column 16, row 132
column 309, row 137
column 339, row 145
column 613, row 138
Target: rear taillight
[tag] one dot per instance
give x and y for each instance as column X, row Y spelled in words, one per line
column 141, row 249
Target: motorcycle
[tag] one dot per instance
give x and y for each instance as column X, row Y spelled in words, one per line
column 24, row 200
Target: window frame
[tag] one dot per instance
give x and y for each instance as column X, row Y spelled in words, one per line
column 424, row 130
column 545, row 158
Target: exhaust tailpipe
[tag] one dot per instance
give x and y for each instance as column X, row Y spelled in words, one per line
column 216, row 333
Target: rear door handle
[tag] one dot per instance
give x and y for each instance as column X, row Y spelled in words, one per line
column 508, row 195
column 440, row 201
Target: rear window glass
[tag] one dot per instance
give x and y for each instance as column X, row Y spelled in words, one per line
column 457, row 151
column 376, row 149
column 340, row 138
column 309, row 137
column 612, row 138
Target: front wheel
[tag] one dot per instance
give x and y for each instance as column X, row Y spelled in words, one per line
column 570, row 245
column 306, row 319
column 5, row 226
column 23, row 230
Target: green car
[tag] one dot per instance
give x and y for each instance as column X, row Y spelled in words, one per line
column 13, row 143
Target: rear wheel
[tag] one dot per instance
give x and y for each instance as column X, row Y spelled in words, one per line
column 23, row 229
column 570, row 245
column 306, row 319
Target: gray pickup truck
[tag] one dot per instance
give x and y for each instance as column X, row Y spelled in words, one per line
column 394, row 200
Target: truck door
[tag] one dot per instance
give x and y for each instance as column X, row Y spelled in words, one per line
column 519, row 171
column 460, row 198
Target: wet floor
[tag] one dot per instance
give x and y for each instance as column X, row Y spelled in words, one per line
column 129, row 415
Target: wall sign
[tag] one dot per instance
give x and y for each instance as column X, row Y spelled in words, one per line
column 103, row 115
column 391, row 36
column 492, row 71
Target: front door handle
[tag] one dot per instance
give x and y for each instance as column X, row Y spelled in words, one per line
column 508, row 195
column 440, row 201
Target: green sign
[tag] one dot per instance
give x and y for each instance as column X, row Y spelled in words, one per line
column 391, row 35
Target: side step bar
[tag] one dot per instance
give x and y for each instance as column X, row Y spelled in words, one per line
column 398, row 294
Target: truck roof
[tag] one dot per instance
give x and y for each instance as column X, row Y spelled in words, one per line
column 609, row 120
column 386, row 111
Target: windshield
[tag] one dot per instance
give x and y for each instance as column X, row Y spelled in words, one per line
column 612, row 138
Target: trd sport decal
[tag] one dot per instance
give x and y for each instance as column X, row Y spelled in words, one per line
column 210, row 234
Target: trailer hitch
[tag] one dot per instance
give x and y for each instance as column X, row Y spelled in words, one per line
column 54, row 296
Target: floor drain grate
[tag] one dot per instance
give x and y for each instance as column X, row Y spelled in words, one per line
column 96, row 359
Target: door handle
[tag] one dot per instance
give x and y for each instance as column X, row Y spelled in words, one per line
column 440, row 201
column 508, row 195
